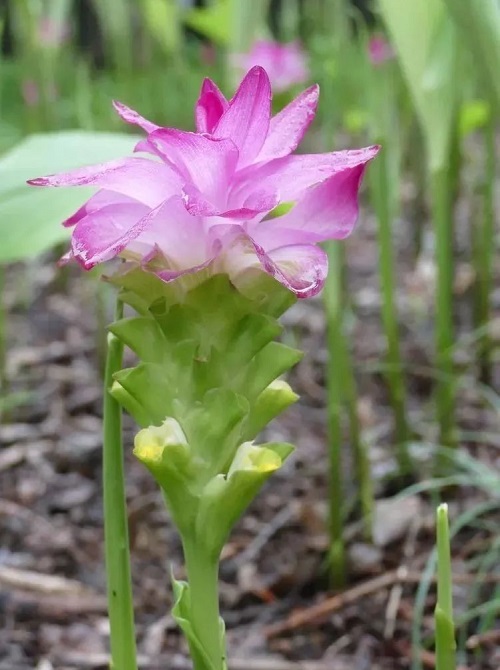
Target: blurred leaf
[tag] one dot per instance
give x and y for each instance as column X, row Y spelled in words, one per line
column 30, row 217
column 479, row 24
column 163, row 22
column 474, row 114
column 425, row 42
column 213, row 22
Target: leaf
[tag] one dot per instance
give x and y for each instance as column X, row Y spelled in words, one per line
column 213, row 22
column 426, row 44
column 30, row 218
column 162, row 20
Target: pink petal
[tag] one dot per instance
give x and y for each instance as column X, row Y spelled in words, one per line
column 144, row 180
column 98, row 201
column 302, row 268
column 290, row 176
column 289, row 126
column 246, row 121
column 131, row 116
column 207, row 163
column 210, row 107
column 180, row 243
column 106, row 232
column 326, row 212
column 257, row 203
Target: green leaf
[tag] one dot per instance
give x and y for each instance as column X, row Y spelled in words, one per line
column 479, row 25
column 474, row 114
column 163, row 22
column 214, row 22
column 30, row 217
column 426, row 44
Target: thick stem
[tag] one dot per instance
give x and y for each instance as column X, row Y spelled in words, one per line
column 203, row 579
column 443, row 226
column 120, row 601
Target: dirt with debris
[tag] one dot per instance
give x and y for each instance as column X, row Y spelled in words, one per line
column 275, row 595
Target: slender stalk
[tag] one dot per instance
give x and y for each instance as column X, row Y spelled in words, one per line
column 359, row 448
column 379, row 174
column 203, row 575
column 443, row 225
column 334, row 314
column 120, row 601
column 443, row 615
column 484, row 247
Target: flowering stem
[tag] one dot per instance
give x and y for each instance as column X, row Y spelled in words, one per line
column 120, row 602
column 203, row 574
column 445, row 629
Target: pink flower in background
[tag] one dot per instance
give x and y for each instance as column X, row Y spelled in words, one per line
column 53, row 33
column 30, row 92
column 205, row 199
column 379, row 50
column 286, row 64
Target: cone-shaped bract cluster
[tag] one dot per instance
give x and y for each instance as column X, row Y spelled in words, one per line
column 206, row 385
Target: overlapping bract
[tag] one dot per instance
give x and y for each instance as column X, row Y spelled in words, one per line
column 206, row 385
column 203, row 199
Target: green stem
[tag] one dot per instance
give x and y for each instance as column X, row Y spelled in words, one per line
column 334, row 314
column 203, row 579
column 443, row 225
column 445, row 629
column 379, row 173
column 120, row 601
column 484, row 248
column 359, row 447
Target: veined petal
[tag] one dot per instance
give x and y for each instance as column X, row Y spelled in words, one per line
column 302, row 268
column 290, row 176
column 210, row 107
column 145, row 180
column 207, row 163
column 103, row 234
column 289, row 126
column 101, row 199
column 131, row 116
column 181, row 243
column 246, row 120
column 328, row 211
column 258, row 203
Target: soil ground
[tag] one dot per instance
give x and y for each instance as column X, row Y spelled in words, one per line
column 279, row 609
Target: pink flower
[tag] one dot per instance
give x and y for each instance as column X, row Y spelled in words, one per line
column 53, row 33
column 379, row 50
column 205, row 199
column 30, row 92
column 286, row 64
